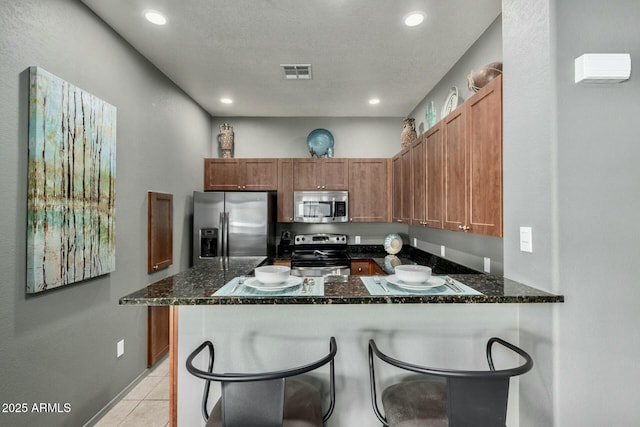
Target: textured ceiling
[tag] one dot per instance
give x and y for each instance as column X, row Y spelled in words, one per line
column 358, row 49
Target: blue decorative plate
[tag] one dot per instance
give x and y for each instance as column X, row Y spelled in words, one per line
column 393, row 243
column 320, row 143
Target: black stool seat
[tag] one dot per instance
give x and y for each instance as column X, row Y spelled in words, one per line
column 416, row 403
column 269, row 399
column 446, row 397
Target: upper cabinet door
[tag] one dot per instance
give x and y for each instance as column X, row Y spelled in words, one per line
column 285, row 190
column 259, row 174
column 402, row 186
column 455, row 170
column 435, row 177
column 324, row 174
column 369, row 190
column 334, row 174
column 419, row 179
column 304, row 175
column 240, row 174
column 221, row 174
column 484, row 124
column 159, row 231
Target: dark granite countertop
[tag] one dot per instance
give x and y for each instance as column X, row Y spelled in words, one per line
column 196, row 285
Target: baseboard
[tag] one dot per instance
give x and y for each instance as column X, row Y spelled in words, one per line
column 109, row 406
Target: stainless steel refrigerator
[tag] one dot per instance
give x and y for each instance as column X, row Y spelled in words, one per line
column 227, row 224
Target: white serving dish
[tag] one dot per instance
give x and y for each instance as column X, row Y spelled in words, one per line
column 412, row 273
column 272, row 273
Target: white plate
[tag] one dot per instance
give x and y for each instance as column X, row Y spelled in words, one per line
column 393, row 243
column 433, row 282
column 254, row 283
column 450, row 103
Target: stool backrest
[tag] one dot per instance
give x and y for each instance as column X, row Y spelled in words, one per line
column 253, row 404
column 256, row 399
column 474, row 398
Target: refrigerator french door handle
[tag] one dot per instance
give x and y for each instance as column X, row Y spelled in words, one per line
column 226, row 234
column 221, row 237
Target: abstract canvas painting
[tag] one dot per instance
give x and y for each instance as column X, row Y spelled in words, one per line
column 71, row 184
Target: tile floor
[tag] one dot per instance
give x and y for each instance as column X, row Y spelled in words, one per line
column 146, row 405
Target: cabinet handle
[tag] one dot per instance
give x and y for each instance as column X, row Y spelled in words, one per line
column 464, row 228
column 239, row 187
column 398, row 220
column 155, row 267
column 244, row 187
column 351, row 219
column 323, row 187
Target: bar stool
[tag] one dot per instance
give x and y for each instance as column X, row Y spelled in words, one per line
column 443, row 397
column 265, row 399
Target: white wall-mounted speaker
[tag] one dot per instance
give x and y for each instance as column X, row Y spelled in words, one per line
column 603, row 67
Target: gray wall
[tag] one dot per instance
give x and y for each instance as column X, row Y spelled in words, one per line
column 60, row 346
column 528, row 141
column 598, row 187
column 466, row 249
column 571, row 173
column 287, row 136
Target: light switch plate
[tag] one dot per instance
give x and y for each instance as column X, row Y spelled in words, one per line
column 442, row 251
column 415, row 242
column 120, row 348
column 487, row 264
column 357, row 240
column 526, row 239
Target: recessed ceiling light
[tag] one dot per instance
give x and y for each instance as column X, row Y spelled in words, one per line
column 226, row 100
column 374, row 101
column 155, row 17
column 414, row 18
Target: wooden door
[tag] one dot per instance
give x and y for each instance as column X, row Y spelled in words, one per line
column 397, row 188
column 259, row 174
column 419, row 178
column 304, row 175
column 285, row 190
column 159, row 231
column 334, row 174
column 157, row 333
column 435, row 177
column 455, row 170
column 484, row 124
column 369, row 190
column 222, row 174
column 407, row 186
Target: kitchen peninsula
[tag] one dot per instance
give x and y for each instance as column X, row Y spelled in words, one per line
column 274, row 332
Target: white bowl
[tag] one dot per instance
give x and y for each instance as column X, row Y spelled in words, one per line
column 413, row 273
column 272, row 273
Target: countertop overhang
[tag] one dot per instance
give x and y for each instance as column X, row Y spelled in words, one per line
column 197, row 285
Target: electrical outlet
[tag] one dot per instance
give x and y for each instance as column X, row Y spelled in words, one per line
column 487, row 264
column 357, row 240
column 526, row 239
column 442, row 251
column 415, row 242
column 120, row 348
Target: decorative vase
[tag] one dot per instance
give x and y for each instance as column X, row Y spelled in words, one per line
column 476, row 80
column 408, row 134
column 431, row 114
column 225, row 138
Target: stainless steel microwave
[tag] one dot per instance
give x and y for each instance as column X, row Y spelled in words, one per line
column 321, row 206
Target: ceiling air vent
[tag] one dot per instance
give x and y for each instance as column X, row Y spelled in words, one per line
column 296, row 71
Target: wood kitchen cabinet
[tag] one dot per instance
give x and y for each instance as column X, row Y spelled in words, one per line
column 240, row 174
column 285, row 190
column 365, row 267
column 402, row 187
column 159, row 231
column 320, row 174
column 427, row 173
column 472, row 159
column 369, row 190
